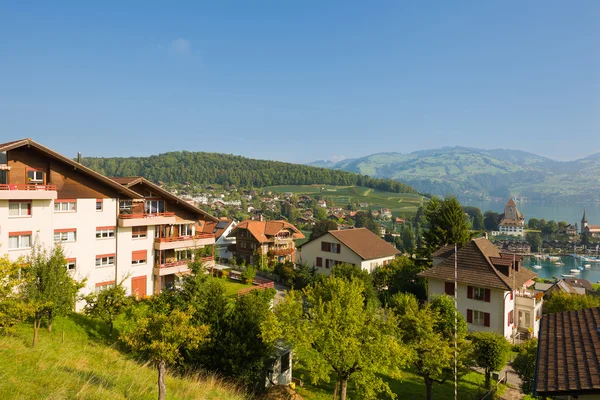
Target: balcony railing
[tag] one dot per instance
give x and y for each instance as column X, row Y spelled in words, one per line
column 281, row 252
column 184, row 238
column 150, row 215
column 179, row 263
column 26, row 187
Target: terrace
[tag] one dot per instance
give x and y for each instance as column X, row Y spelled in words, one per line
column 27, row 192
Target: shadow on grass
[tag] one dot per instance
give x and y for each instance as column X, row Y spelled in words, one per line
column 90, row 378
column 95, row 330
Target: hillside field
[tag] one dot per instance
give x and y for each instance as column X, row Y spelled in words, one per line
column 401, row 204
column 76, row 362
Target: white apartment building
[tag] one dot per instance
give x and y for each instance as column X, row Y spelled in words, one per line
column 122, row 229
column 493, row 289
column 357, row 246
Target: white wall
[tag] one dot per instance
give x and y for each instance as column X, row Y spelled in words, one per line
column 309, row 252
column 39, row 223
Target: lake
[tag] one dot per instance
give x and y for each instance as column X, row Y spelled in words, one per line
column 550, row 269
column 570, row 212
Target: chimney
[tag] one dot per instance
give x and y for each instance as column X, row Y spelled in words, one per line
column 485, row 235
column 79, row 157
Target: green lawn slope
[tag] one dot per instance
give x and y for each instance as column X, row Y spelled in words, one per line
column 75, row 362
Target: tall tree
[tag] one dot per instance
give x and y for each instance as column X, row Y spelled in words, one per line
column 491, row 220
column 322, row 227
column 350, row 272
column 48, row 288
column 12, row 308
column 491, row 351
column 447, row 224
column 475, row 216
column 533, row 223
column 524, row 365
column 336, row 334
column 535, row 241
column 408, row 239
column 160, row 336
column 400, row 275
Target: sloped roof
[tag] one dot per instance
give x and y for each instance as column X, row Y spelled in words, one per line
column 264, row 231
column 475, row 267
column 444, row 251
column 134, row 180
column 568, row 356
column 216, row 227
column 511, row 203
column 82, row 168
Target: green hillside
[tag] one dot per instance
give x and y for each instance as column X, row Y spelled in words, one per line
column 216, row 168
column 475, row 173
column 401, row 204
column 73, row 362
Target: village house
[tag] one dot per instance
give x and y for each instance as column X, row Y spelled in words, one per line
column 322, row 203
column 357, row 246
column 568, row 361
column 493, row 289
column 111, row 229
column 275, row 239
column 385, row 213
column 513, row 222
column 221, row 230
column 572, row 230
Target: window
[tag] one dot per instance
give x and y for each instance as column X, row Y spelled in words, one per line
column 99, row 204
column 331, row 263
column 19, row 240
column 104, row 285
column 285, row 362
column 478, row 317
column 19, row 209
column 325, row 246
column 510, row 318
column 154, row 206
column 125, row 206
column 65, row 235
column 105, row 232
column 65, row 206
column 71, row 264
column 335, row 248
column 478, row 293
column 449, row 288
column 319, row 262
column 185, row 230
column 139, row 232
column 35, row 176
column 105, row 260
column 139, row 257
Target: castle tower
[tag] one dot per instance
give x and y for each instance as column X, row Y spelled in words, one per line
column 584, row 222
column 510, row 211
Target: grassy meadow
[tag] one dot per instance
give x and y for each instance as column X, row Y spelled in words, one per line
column 401, row 204
column 75, row 361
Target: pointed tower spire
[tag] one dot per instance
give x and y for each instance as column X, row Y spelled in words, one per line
column 584, row 219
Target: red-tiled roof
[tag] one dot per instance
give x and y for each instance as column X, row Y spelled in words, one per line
column 365, row 243
column 511, row 203
column 475, row 267
column 568, row 357
column 264, row 231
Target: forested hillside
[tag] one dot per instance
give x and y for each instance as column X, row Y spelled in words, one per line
column 216, row 168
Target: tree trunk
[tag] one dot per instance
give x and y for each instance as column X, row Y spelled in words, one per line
column 50, row 321
column 344, row 388
column 429, row 389
column 336, row 391
column 36, row 326
column 110, row 329
column 162, row 389
column 488, row 383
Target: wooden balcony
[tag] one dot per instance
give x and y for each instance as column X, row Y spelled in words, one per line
column 27, row 192
column 184, row 242
column 165, row 218
column 282, row 252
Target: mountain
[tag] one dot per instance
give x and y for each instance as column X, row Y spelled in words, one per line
column 476, row 173
column 216, row 168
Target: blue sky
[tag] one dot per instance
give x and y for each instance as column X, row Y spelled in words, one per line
column 300, row 81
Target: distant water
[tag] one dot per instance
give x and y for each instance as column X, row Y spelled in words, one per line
column 550, row 269
column 570, row 212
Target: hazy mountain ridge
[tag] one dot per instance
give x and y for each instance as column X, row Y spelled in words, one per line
column 479, row 173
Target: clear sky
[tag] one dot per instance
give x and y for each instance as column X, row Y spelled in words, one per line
column 301, row 80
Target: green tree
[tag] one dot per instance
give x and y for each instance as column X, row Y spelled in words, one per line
column 562, row 226
column 535, row 241
column 335, row 334
column 524, row 365
column 48, row 288
column 551, row 227
column 533, row 223
column 559, row 302
column 160, row 336
column 491, row 220
column 12, row 308
column 400, row 275
column 491, row 351
column 365, row 220
column 106, row 305
column 447, row 224
column 322, row 227
column 476, row 217
column 350, row 272
column 319, row 213
column 430, row 333
column 408, row 239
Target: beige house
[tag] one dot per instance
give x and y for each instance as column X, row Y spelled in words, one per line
column 493, row 289
column 352, row 246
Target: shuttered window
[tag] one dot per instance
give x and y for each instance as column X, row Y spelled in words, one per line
column 319, row 262
column 449, row 288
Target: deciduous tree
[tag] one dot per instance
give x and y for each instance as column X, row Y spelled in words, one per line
column 524, row 365
column 559, row 302
column 491, row 351
column 12, row 308
column 335, row 334
column 107, row 304
column 322, row 227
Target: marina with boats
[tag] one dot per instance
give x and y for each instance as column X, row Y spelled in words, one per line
column 564, row 266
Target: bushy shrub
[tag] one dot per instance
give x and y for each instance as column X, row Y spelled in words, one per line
column 248, row 274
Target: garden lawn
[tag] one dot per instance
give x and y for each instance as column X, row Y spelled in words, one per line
column 233, row 287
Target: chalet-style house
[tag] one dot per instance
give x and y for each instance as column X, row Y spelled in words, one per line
column 221, row 230
column 357, row 246
column 111, row 230
column 591, row 230
column 568, row 356
column 493, row 288
column 513, row 222
column 275, row 239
